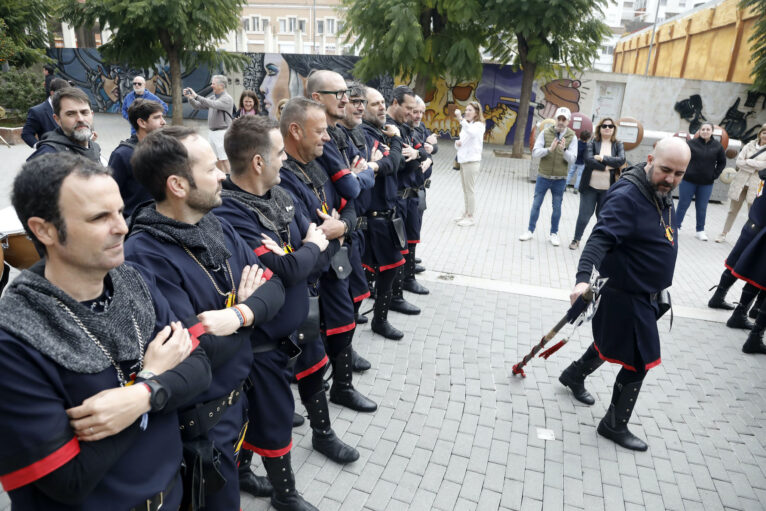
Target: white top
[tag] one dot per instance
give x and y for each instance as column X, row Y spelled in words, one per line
column 471, row 141
column 539, row 151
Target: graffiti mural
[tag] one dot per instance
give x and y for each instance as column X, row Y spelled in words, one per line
column 106, row 84
column 690, row 110
column 557, row 93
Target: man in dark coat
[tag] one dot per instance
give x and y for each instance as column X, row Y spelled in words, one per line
column 633, row 244
column 40, row 117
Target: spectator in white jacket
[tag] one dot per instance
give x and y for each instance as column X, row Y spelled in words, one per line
column 744, row 187
column 469, row 148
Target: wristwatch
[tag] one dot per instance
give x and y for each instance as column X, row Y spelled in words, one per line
column 158, row 395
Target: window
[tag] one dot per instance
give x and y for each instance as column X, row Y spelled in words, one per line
column 292, row 24
column 246, row 24
column 340, row 27
column 282, row 26
column 302, row 26
column 255, row 23
column 265, row 25
column 330, row 25
column 320, row 27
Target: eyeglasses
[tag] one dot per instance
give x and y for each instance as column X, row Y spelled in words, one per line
column 137, row 83
column 337, row 93
column 358, row 102
column 608, row 126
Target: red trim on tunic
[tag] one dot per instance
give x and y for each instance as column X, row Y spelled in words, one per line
column 413, row 242
column 653, row 364
column 311, row 370
column 749, row 281
column 341, row 329
column 267, row 274
column 368, row 268
column 268, row 453
column 418, row 145
column 259, row 251
column 614, row 360
column 405, row 251
column 394, row 265
column 195, row 331
column 343, row 203
column 42, row 467
column 340, row 174
column 375, row 145
column 361, row 297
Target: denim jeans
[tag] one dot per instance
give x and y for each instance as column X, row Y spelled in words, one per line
column 701, row 195
column 575, row 168
column 590, row 200
column 557, row 187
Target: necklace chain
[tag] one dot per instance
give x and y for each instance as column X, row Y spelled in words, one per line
column 228, row 268
column 120, row 374
column 668, row 229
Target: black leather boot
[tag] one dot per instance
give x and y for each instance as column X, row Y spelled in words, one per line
column 417, row 260
column 614, row 425
column 360, row 319
column 257, row 486
column 342, row 391
column 324, row 438
column 371, row 282
column 285, row 497
column 409, row 283
column 757, row 305
column 754, row 343
column 739, row 319
column 419, row 268
column 717, row 300
column 359, row 363
column 380, row 324
column 398, row 303
column 574, row 378
column 298, row 420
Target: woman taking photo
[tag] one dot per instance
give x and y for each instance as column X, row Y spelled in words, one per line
column 605, row 154
column 744, row 186
column 707, row 163
column 469, row 148
column 248, row 104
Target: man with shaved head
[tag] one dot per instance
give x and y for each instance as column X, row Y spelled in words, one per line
column 634, row 245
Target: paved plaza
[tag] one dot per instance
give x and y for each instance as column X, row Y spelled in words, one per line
column 455, row 430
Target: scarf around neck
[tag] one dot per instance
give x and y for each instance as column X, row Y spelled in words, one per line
column 205, row 239
column 276, row 207
column 311, row 173
column 31, row 309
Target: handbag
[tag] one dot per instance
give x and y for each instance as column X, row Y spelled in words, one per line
column 201, row 472
column 309, row 329
column 397, row 224
column 340, row 263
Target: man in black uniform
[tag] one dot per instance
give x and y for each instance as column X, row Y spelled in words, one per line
column 633, row 244
column 145, row 116
column 382, row 148
column 408, row 177
column 429, row 143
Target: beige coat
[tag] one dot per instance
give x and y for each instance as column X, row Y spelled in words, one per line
column 748, row 172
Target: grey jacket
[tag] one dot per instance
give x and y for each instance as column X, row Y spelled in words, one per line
column 219, row 115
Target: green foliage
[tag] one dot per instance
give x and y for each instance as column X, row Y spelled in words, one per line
column 23, row 34
column 20, row 90
column 758, row 44
column 427, row 38
column 144, row 31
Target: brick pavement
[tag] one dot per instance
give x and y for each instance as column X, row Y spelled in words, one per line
column 455, row 431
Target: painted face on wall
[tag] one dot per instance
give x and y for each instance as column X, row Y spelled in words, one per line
column 275, row 85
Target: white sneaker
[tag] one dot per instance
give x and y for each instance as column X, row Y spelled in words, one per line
column 555, row 240
column 701, row 236
column 458, row 218
column 526, row 236
column 721, row 238
column 466, row 222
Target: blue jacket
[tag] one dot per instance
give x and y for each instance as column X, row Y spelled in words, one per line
column 39, row 122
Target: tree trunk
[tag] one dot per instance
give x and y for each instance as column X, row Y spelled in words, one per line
column 174, row 60
column 528, row 78
column 420, row 85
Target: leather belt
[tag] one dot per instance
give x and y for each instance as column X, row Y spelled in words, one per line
column 361, row 223
column 156, row 501
column 407, row 193
column 200, row 419
column 388, row 213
